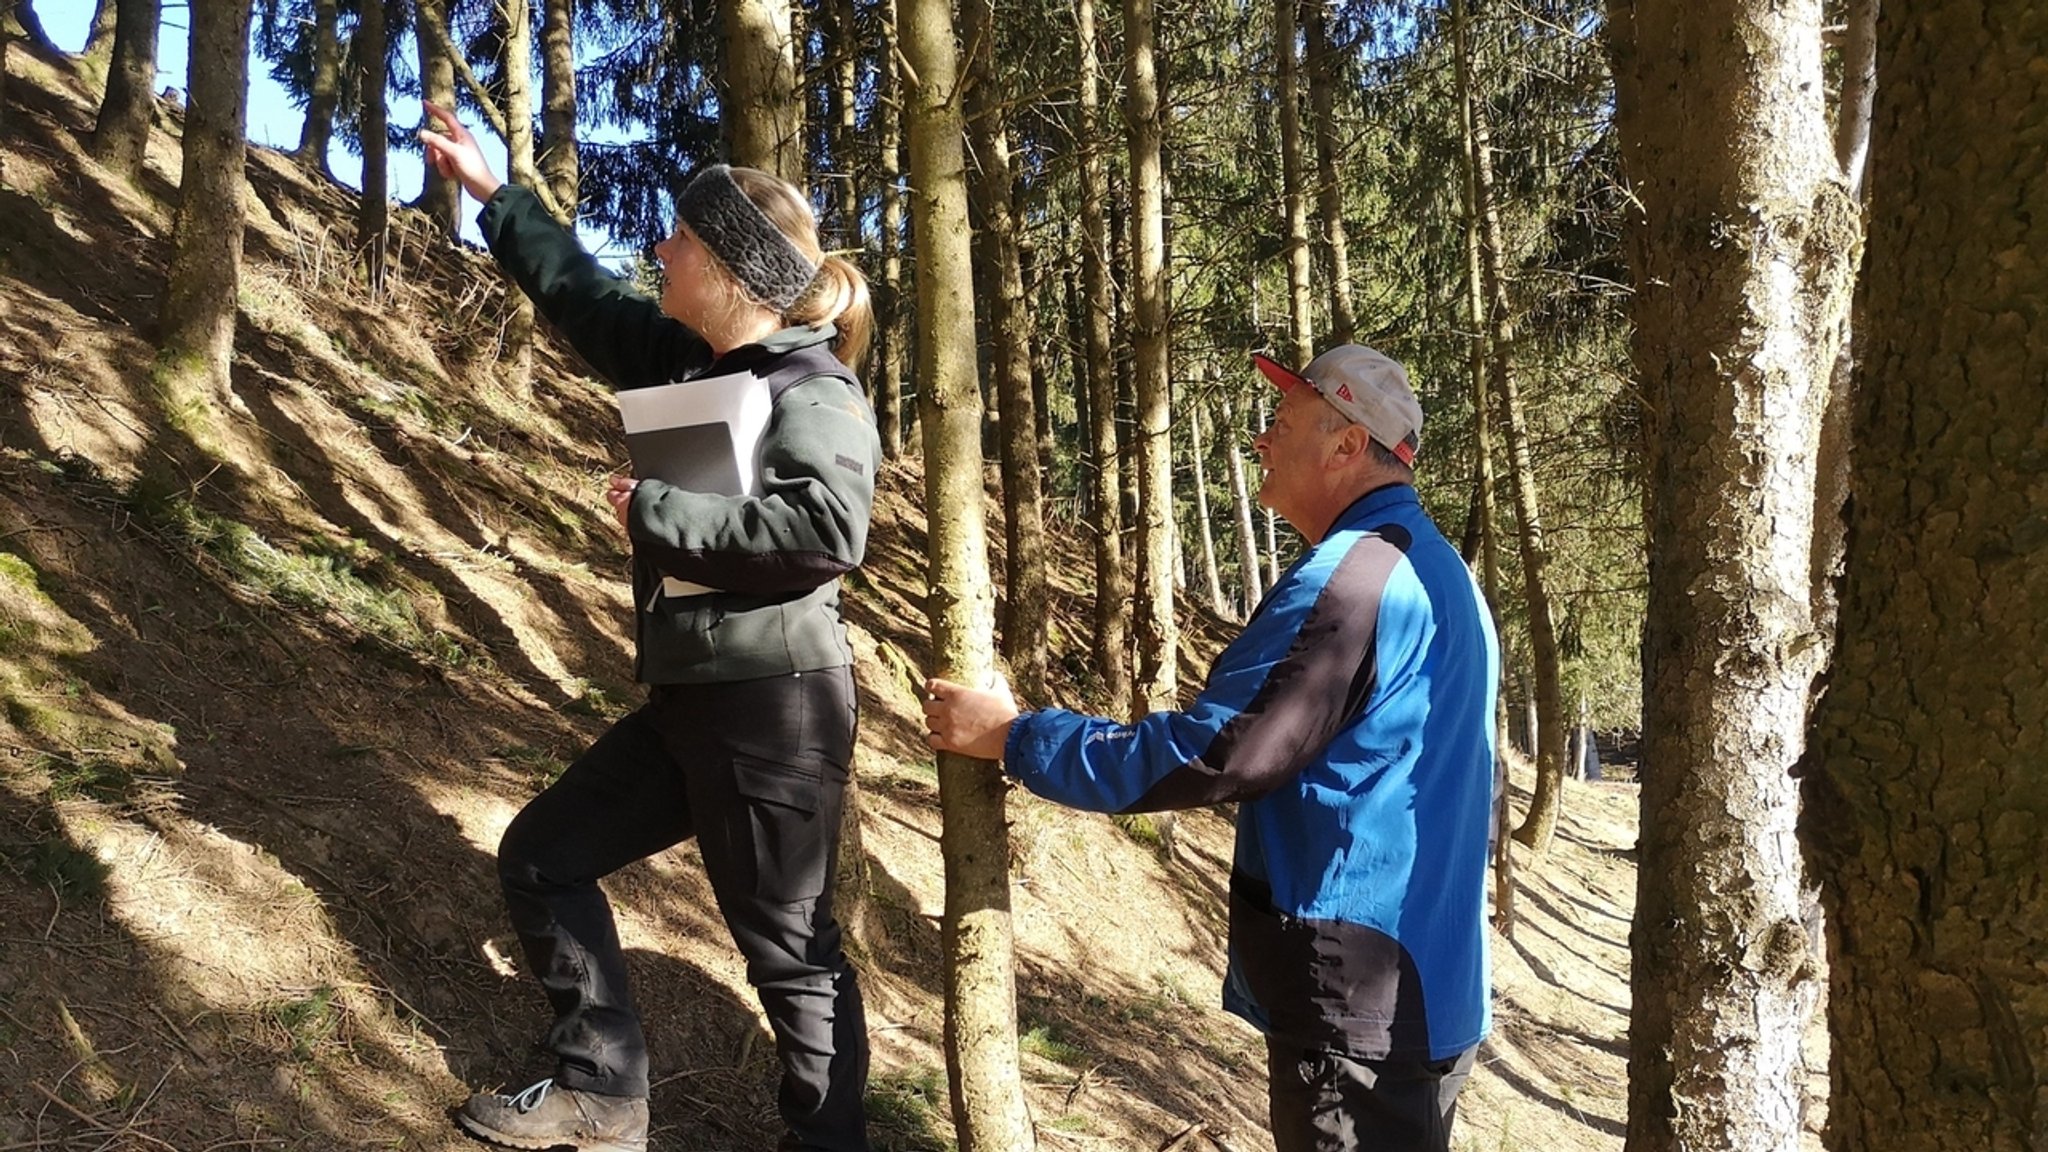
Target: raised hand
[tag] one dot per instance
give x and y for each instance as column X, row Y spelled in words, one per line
column 454, row 153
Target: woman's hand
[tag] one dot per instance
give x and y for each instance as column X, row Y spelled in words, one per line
column 454, row 154
column 619, row 494
column 962, row 719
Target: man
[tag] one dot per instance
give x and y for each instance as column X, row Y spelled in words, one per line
column 1353, row 722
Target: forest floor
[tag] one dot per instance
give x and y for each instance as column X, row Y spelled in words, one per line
column 264, row 723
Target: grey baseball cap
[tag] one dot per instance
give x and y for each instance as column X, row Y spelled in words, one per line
column 1366, row 386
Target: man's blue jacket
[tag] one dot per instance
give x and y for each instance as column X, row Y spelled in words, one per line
column 1353, row 722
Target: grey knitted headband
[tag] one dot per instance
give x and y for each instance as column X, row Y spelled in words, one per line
column 767, row 265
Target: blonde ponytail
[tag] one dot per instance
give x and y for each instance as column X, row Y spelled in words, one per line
column 839, row 296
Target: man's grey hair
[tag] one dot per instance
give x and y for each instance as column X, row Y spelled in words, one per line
column 1330, row 422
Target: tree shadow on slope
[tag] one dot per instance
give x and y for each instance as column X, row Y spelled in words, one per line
column 318, row 475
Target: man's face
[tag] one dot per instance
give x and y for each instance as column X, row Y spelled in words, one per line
column 1293, row 450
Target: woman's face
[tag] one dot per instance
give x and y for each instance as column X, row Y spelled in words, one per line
column 694, row 289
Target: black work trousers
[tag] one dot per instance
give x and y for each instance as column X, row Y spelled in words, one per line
column 1325, row 1102
column 756, row 770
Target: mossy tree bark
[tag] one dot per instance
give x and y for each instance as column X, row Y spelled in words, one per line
column 128, row 108
column 1743, row 249
column 196, row 345
column 989, row 1111
column 763, row 101
column 1927, row 795
column 1112, row 616
column 1011, row 332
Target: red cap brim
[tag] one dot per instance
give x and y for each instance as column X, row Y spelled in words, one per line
column 1282, row 376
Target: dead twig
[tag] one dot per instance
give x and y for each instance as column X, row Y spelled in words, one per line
column 1186, row 1134
column 177, row 1032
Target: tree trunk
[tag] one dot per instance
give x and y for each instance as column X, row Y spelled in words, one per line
column 7, row 23
column 1157, row 633
column 845, row 97
column 1112, row 620
column 1742, row 250
column 128, row 109
column 989, row 1111
column 99, row 40
column 196, row 346
column 1010, row 337
column 1549, row 751
column 373, row 212
column 517, row 73
column 1486, row 499
column 1293, row 195
column 1272, row 520
column 1322, row 88
column 1926, row 798
column 1832, row 464
column 559, row 164
column 1211, row 579
column 23, row 15
column 761, row 95
column 1241, row 502
column 889, row 111
column 440, row 197
column 325, row 92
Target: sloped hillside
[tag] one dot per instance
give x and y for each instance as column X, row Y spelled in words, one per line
column 263, row 721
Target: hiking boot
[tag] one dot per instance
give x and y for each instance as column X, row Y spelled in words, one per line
column 545, row 1116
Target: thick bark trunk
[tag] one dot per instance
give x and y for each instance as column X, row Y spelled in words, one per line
column 441, row 197
column 1158, row 637
column 1293, row 196
column 1322, row 90
column 761, row 96
column 1742, row 250
column 196, row 346
column 1010, row 338
column 318, row 129
column 373, row 211
column 559, row 164
column 1112, row 619
column 1926, row 795
column 129, row 107
column 989, row 1111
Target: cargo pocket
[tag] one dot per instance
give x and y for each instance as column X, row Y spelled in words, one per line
column 791, row 842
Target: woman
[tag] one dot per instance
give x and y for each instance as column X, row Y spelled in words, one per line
column 747, row 735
